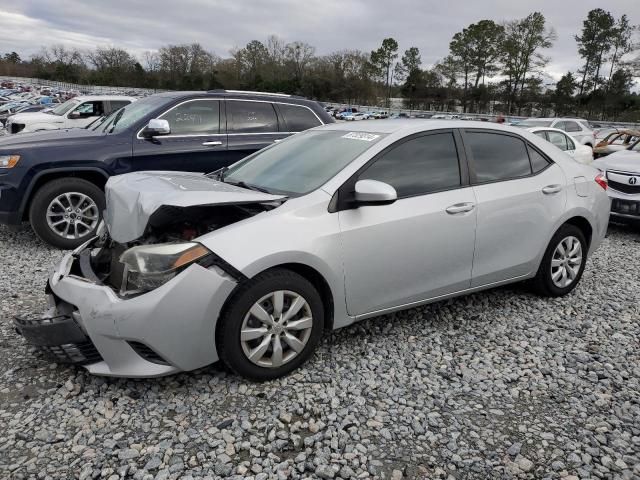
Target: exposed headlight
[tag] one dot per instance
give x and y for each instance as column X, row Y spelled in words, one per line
column 149, row 266
column 9, row 161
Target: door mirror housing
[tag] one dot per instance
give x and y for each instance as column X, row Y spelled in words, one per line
column 156, row 127
column 74, row 115
column 373, row 192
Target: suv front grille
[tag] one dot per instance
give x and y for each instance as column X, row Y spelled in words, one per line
column 624, row 182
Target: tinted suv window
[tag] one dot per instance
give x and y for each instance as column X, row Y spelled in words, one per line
column 497, row 156
column 298, row 118
column 195, row 117
column 418, row 166
column 251, row 117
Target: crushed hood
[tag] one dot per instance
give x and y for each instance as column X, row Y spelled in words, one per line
column 625, row 160
column 134, row 197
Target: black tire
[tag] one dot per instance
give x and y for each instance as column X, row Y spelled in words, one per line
column 229, row 325
column 543, row 283
column 47, row 193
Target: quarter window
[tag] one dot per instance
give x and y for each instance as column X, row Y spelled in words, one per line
column 251, row 117
column 571, row 127
column 195, row 117
column 538, row 162
column 497, row 156
column 418, row 166
column 298, row 118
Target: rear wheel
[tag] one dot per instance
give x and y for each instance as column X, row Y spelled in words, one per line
column 66, row 212
column 271, row 326
column 563, row 263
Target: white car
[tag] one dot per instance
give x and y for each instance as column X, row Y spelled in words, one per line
column 580, row 153
column 622, row 170
column 355, row 116
column 577, row 128
column 77, row 112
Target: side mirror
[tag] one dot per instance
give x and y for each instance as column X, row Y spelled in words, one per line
column 74, row 115
column 156, row 127
column 373, row 192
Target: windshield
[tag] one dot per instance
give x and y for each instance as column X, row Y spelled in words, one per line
column 122, row 119
column 303, row 162
column 534, row 123
column 64, row 107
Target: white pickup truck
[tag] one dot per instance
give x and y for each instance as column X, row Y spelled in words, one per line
column 77, row 112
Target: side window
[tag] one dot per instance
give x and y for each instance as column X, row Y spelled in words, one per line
column 538, row 162
column 497, row 156
column 560, row 125
column 570, row 143
column 298, row 118
column 117, row 105
column 559, row 140
column 194, row 117
column 90, row 109
column 542, row 134
column 251, row 117
column 418, row 166
column 571, row 127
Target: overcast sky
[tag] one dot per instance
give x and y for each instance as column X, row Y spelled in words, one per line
column 328, row 25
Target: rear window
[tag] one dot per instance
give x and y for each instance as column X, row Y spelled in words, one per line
column 298, row 118
column 251, row 117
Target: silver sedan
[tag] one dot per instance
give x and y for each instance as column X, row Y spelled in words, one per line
column 251, row 264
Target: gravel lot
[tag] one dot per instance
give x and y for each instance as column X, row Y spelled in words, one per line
column 500, row 384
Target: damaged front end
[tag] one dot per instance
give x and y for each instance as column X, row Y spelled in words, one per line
column 131, row 301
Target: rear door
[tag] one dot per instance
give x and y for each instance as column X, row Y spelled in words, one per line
column 251, row 126
column 197, row 142
column 520, row 194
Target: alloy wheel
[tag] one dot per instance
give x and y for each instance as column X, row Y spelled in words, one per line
column 276, row 329
column 566, row 262
column 72, row 215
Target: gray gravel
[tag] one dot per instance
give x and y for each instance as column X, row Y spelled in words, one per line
column 500, row 384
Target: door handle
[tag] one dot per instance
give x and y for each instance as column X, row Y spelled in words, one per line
column 277, row 140
column 211, row 144
column 460, row 208
column 550, row 189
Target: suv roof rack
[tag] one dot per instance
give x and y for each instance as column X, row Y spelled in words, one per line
column 249, row 92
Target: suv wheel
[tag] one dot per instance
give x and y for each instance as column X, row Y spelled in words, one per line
column 66, row 212
column 272, row 324
column 563, row 263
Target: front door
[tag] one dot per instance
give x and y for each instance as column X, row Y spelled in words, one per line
column 520, row 195
column 197, row 142
column 421, row 246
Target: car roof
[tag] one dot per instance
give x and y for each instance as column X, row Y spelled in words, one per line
column 551, row 119
column 410, row 125
column 238, row 94
column 546, row 129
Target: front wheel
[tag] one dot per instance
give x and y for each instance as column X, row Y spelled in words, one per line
column 563, row 263
column 66, row 212
column 271, row 326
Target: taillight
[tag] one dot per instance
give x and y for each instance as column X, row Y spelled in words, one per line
column 602, row 181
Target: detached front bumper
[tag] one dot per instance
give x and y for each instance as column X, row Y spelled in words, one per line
column 167, row 330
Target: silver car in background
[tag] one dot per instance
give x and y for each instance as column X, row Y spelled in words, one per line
column 328, row 227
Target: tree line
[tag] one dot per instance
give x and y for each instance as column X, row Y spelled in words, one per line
column 491, row 67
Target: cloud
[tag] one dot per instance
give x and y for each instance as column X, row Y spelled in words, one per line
column 328, row 25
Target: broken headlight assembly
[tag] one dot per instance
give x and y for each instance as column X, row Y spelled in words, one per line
column 146, row 267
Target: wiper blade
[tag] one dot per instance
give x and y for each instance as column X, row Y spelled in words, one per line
column 248, row 186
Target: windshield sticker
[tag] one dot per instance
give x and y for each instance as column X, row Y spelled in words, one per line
column 367, row 137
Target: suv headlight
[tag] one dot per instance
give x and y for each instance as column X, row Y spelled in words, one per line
column 149, row 266
column 9, row 161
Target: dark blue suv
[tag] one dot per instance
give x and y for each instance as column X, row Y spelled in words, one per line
column 55, row 179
